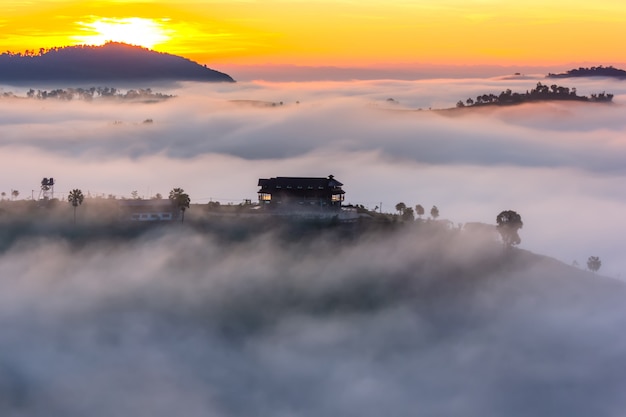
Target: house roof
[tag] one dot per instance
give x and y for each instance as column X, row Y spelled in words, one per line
column 298, row 183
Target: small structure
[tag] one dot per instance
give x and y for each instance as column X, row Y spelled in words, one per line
column 47, row 189
column 301, row 193
column 158, row 210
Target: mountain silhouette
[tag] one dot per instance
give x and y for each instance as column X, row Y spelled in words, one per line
column 112, row 61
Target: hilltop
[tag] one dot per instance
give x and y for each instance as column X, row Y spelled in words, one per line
column 110, row 62
column 540, row 93
column 406, row 304
column 599, row 71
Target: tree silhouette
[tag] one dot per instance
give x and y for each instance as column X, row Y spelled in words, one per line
column 75, row 198
column 181, row 200
column 15, row 194
column 594, row 263
column 400, row 207
column 434, row 212
column 407, row 214
column 509, row 222
column 419, row 210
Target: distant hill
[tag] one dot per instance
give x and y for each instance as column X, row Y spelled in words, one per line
column 591, row 72
column 110, row 62
column 540, row 93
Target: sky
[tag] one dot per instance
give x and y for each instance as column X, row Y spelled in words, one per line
column 367, row 33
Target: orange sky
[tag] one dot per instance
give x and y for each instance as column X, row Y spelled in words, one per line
column 341, row 33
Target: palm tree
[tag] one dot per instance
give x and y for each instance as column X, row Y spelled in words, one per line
column 400, row 207
column 15, row 194
column 75, row 198
column 181, row 200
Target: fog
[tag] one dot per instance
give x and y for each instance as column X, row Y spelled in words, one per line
column 177, row 322
column 180, row 321
column 560, row 165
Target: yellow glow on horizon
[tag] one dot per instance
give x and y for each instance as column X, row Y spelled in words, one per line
column 131, row 30
column 332, row 32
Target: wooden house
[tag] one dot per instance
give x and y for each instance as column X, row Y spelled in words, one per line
column 301, row 193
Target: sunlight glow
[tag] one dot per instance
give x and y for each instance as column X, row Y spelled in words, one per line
column 354, row 34
column 133, row 30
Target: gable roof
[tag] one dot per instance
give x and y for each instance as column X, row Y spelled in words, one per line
column 298, row 183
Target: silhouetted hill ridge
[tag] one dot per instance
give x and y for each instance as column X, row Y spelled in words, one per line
column 599, row 71
column 112, row 61
column 540, row 93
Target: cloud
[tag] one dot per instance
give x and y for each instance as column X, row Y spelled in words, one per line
column 178, row 321
column 560, row 165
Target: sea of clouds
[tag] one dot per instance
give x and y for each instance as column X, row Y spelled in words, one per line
column 560, row 165
column 179, row 322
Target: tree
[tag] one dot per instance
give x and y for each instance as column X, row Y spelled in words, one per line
column 509, row 222
column 419, row 210
column 75, row 198
column 15, row 194
column 3, row 194
column 407, row 214
column 434, row 212
column 594, row 263
column 400, row 207
column 181, row 200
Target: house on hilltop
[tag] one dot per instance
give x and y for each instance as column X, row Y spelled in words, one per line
column 301, row 193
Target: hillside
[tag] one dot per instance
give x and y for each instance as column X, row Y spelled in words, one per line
column 438, row 315
column 110, row 62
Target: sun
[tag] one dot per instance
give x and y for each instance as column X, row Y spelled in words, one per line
column 132, row 30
